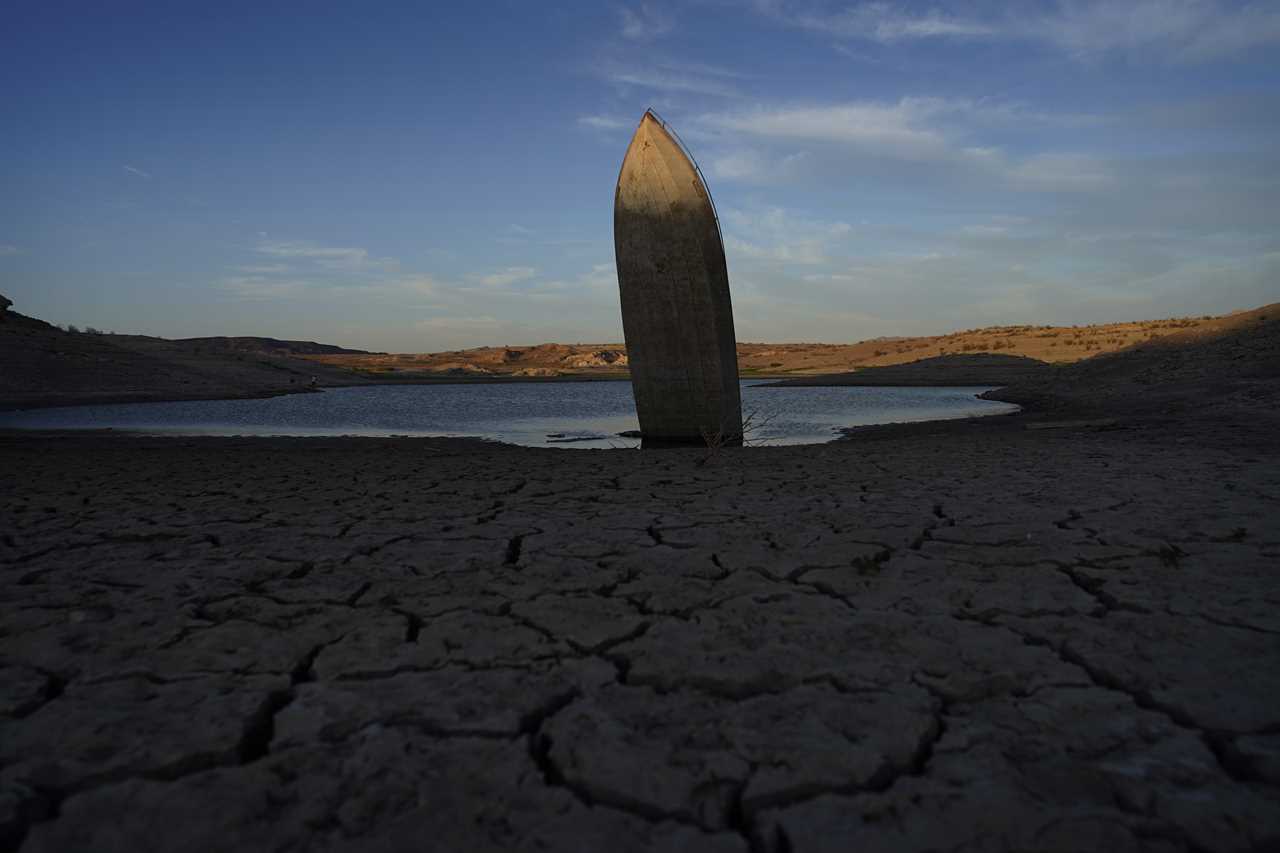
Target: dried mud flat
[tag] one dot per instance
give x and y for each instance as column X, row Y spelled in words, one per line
column 970, row 637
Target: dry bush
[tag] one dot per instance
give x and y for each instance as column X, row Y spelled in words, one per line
column 754, row 422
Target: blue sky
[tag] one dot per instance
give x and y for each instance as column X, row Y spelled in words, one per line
column 426, row 176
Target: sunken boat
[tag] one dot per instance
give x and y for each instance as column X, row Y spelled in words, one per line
column 674, row 286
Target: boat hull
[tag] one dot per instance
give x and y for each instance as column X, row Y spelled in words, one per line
column 674, row 287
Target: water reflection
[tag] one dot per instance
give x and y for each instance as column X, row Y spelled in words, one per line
column 543, row 414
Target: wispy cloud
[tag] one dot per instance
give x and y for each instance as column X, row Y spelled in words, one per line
column 893, row 126
column 291, row 269
column 923, row 130
column 640, row 69
column 604, row 122
column 1186, row 30
column 1060, row 172
column 263, row 269
column 601, row 276
column 780, row 236
column 705, row 69
column 341, row 258
column 883, row 22
column 419, row 285
column 134, row 170
column 313, row 251
column 404, row 291
column 916, row 122
column 644, row 22
column 447, row 323
column 1179, row 30
column 9, row 249
column 984, row 231
column 739, row 165
column 598, row 283
column 668, row 79
column 507, row 276
column 261, row 288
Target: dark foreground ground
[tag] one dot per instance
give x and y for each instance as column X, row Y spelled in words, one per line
column 971, row 636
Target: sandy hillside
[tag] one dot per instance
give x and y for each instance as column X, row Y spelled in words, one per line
column 1052, row 344
column 1203, row 371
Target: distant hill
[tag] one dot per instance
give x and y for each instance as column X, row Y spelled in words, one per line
column 1044, row 344
column 1233, row 365
column 541, row 360
column 45, row 365
column 48, row 366
column 270, row 345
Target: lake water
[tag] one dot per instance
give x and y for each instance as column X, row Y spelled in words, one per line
column 536, row 414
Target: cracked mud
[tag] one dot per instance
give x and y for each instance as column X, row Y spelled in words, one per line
column 986, row 639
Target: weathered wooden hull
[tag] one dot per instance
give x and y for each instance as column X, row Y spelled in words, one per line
column 674, row 286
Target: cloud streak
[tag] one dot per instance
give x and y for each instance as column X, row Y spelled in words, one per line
column 661, row 78
column 292, row 269
column 604, row 122
column 890, row 126
column 779, row 236
column 936, row 132
column 312, row 252
column 507, row 276
column 1178, row 30
column 644, row 22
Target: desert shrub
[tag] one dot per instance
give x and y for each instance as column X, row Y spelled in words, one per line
column 754, row 422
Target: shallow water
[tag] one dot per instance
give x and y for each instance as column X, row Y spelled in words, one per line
column 536, row 414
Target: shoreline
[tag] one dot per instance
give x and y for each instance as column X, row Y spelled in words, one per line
column 64, row 399
column 61, row 400
column 839, row 433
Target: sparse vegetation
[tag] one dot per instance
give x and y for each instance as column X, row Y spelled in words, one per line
column 754, row 423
